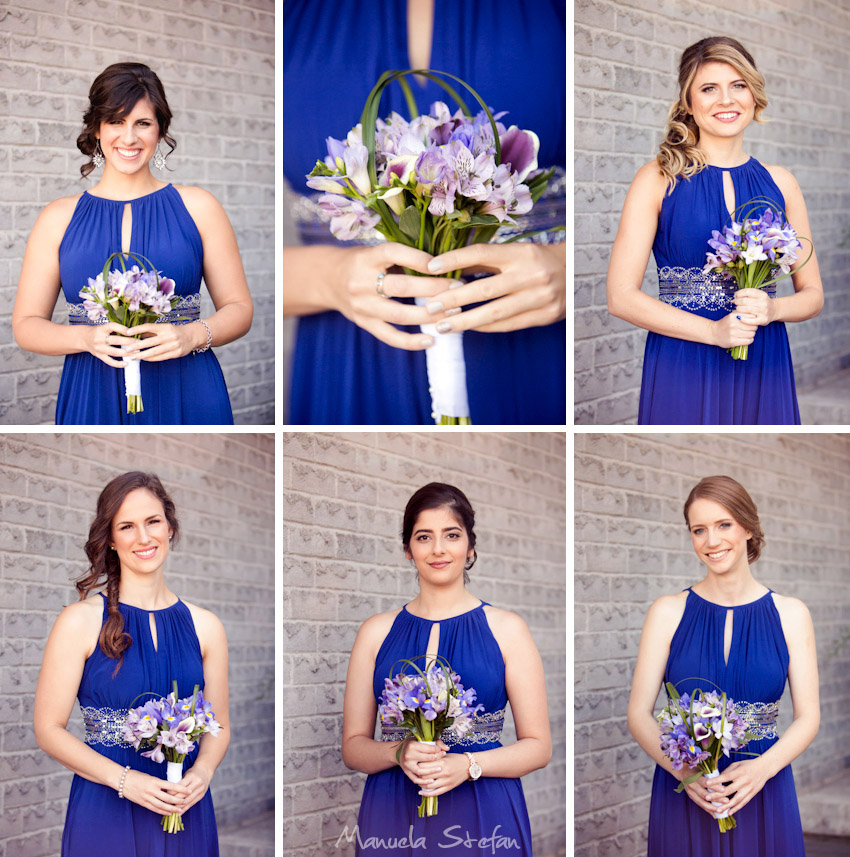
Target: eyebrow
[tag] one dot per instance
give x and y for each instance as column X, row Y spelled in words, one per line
column 712, row 83
column 424, row 530
column 155, row 515
column 718, row 521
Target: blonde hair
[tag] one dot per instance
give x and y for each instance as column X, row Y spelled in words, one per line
column 679, row 154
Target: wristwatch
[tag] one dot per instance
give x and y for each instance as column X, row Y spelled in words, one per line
column 474, row 767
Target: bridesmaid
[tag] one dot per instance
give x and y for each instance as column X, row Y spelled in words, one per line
column 701, row 175
column 183, row 230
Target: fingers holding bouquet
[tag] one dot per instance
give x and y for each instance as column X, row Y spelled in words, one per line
column 756, row 303
column 421, row 762
column 741, row 782
column 164, row 341
column 197, row 782
column 155, row 794
column 528, row 287
column 700, row 792
column 107, row 342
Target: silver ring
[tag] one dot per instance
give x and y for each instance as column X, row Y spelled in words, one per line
column 379, row 286
column 106, row 338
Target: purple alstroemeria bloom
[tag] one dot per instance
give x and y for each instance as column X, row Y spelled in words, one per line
column 356, row 159
column 519, row 149
column 471, row 173
column 349, row 217
column 336, row 150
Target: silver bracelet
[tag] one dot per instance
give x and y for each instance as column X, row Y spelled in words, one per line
column 121, row 783
column 209, row 338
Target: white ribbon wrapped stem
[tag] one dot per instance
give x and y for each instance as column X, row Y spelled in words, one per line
column 722, row 813
column 174, row 772
column 132, row 377
column 446, row 372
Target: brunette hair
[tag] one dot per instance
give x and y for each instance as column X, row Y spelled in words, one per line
column 114, row 93
column 438, row 495
column 735, row 499
column 103, row 561
column 679, row 154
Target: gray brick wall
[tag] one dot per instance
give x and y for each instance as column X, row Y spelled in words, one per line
column 631, row 546
column 223, row 487
column 344, row 495
column 626, row 55
column 216, row 61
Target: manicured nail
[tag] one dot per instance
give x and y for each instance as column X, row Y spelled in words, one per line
column 444, row 327
column 738, row 317
column 434, row 307
column 426, row 341
column 435, row 266
column 456, row 284
column 454, row 310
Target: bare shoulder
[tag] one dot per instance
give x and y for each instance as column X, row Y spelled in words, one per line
column 79, row 623
column 792, row 611
column 206, row 622
column 667, row 611
column 375, row 628
column 649, row 185
column 196, row 199
column 505, row 624
column 785, row 180
column 56, row 215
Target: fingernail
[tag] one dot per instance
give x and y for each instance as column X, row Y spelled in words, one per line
column 453, row 311
column 444, row 327
column 456, row 284
column 435, row 266
column 738, row 317
column 426, row 342
column 434, row 307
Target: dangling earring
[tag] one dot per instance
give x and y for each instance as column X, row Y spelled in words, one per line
column 97, row 158
column 159, row 159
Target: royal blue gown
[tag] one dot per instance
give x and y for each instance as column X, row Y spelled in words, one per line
column 769, row 825
column 473, row 819
column 690, row 383
column 187, row 390
column 333, row 54
column 99, row 823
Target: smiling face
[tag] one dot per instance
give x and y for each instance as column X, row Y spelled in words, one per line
column 719, row 540
column 721, row 101
column 140, row 533
column 129, row 143
column 439, row 546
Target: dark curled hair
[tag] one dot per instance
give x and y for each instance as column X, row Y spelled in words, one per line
column 438, row 495
column 735, row 499
column 103, row 561
column 114, row 93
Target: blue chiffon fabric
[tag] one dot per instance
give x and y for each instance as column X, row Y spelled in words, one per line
column 98, row 822
column 691, row 383
column 187, row 390
column 333, row 54
column 769, row 825
column 472, row 814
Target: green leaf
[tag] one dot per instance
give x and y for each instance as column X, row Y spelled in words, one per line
column 321, row 169
column 409, row 222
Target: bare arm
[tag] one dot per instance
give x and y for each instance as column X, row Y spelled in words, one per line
column 71, row 641
column 629, row 258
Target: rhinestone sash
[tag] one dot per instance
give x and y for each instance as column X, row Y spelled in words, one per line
column 186, row 310
column 486, row 729
column 690, row 289
column 104, row 726
column 760, row 717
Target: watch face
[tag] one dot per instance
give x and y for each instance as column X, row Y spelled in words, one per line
column 475, row 770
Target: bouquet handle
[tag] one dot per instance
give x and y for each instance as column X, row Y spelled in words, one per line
column 428, row 807
column 173, row 773
column 722, row 815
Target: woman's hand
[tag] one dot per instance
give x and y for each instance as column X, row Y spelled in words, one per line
column 167, row 341
column 355, row 292
column 454, row 770
column 742, row 781
column 197, row 781
column 698, row 792
column 422, row 763
column 734, row 329
column 105, row 342
column 155, row 794
column 756, row 303
column 528, row 287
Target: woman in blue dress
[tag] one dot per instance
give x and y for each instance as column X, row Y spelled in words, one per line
column 359, row 357
column 110, row 650
column 728, row 633
column 185, row 234
column 481, row 807
column 700, row 176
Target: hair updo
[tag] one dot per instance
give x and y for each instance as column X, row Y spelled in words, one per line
column 438, row 495
column 735, row 499
column 679, row 154
column 104, row 565
column 114, row 93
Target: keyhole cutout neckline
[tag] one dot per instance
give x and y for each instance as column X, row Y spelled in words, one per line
column 447, row 618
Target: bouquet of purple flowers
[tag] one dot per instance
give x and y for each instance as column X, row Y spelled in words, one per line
column 752, row 250
column 129, row 297
column 437, row 182
column 695, row 730
column 427, row 703
column 170, row 727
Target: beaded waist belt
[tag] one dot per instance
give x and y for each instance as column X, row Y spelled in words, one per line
column 186, row 310
column 760, row 717
column 486, row 729
column 690, row 289
column 104, row 726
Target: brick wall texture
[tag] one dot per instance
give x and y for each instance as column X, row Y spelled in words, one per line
column 626, row 61
column 344, row 496
column 631, row 546
column 216, row 61
column 223, row 488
